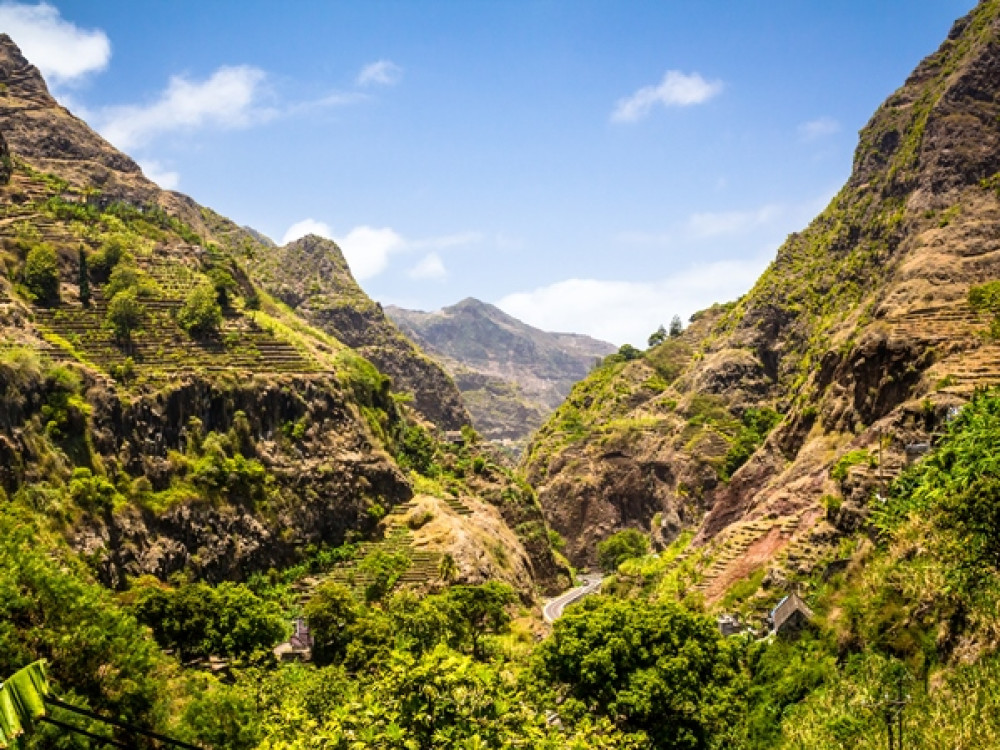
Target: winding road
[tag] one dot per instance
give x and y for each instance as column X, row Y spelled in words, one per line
column 553, row 610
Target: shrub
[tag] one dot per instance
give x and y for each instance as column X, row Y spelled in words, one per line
column 127, row 276
column 224, row 285
column 200, row 314
column 199, row 620
column 617, row 548
column 125, row 314
column 41, row 274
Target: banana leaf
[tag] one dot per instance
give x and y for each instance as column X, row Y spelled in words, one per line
column 22, row 702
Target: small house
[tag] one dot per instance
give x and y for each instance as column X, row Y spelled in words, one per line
column 299, row 646
column 790, row 616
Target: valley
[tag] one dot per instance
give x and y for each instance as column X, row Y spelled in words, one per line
column 467, row 532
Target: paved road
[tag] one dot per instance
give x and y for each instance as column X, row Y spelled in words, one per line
column 554, row 609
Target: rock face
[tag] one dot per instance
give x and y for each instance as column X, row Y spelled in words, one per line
column 39, row 130
column 859, row 334
column 311, row 276
column 511, row 374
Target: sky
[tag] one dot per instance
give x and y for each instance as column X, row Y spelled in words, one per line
column 590, row 166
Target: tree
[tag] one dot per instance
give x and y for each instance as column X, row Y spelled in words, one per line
column 658, row 336
column 224, row 285
column 676, row 327
column 127, row 276
column 627, row 352
column 481, row 610
column 331, row 611
column 201, row 620
column 124, row 315
column 84, row 279
column 617, row 548
column 200, row 314
column 653, row 667
column 41, row 273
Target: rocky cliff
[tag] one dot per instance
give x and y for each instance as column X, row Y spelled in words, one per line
column 771, row 422
column 511, row 375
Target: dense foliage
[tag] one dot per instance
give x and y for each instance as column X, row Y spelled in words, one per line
column 653, row 667
column 619, row 547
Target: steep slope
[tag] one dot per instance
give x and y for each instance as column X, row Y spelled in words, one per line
column 162, row 411
column 510, row 374
column 311, row 276
column 859, row 333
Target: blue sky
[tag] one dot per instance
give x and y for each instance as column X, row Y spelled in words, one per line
column 588, row 166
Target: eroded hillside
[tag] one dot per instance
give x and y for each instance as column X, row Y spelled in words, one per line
column 770, row 422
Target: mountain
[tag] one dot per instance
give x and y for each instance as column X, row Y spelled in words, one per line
column 769, row 424
column 311, row 276
column 511, row 375
column 168, row 416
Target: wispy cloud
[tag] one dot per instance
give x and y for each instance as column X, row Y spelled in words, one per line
column 430, row 267
column 447, row 241
column 230, row 98
column 818, row 128
column 718, row 223
column 62, row 51
column 165, row 178
column 628, row 311
column 677, row 89
column 380, row 73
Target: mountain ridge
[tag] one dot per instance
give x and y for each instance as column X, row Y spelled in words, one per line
column 511, row 374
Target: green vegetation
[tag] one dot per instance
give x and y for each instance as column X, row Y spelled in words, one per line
column 619, row 547
column 985, row 298
column 41, row 274
column 125, row 314
column 200, row 314
column 197, row 620
column 83, row 278
column 756, row 426
column 655, row 668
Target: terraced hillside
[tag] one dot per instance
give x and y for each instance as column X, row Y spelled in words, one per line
column 176, row 417
column 801, row 399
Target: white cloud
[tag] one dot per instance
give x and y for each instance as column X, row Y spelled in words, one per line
column 818, row 128
column 300, row 229
column 628, row 311
column 430, row 267
column 706, row 225
column 381, row 73
column 229, row 98
column 159, row 174
column 675, row 90
column 367, row 250
column 62, row 51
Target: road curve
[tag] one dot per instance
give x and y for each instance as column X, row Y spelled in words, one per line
column 553, row 609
